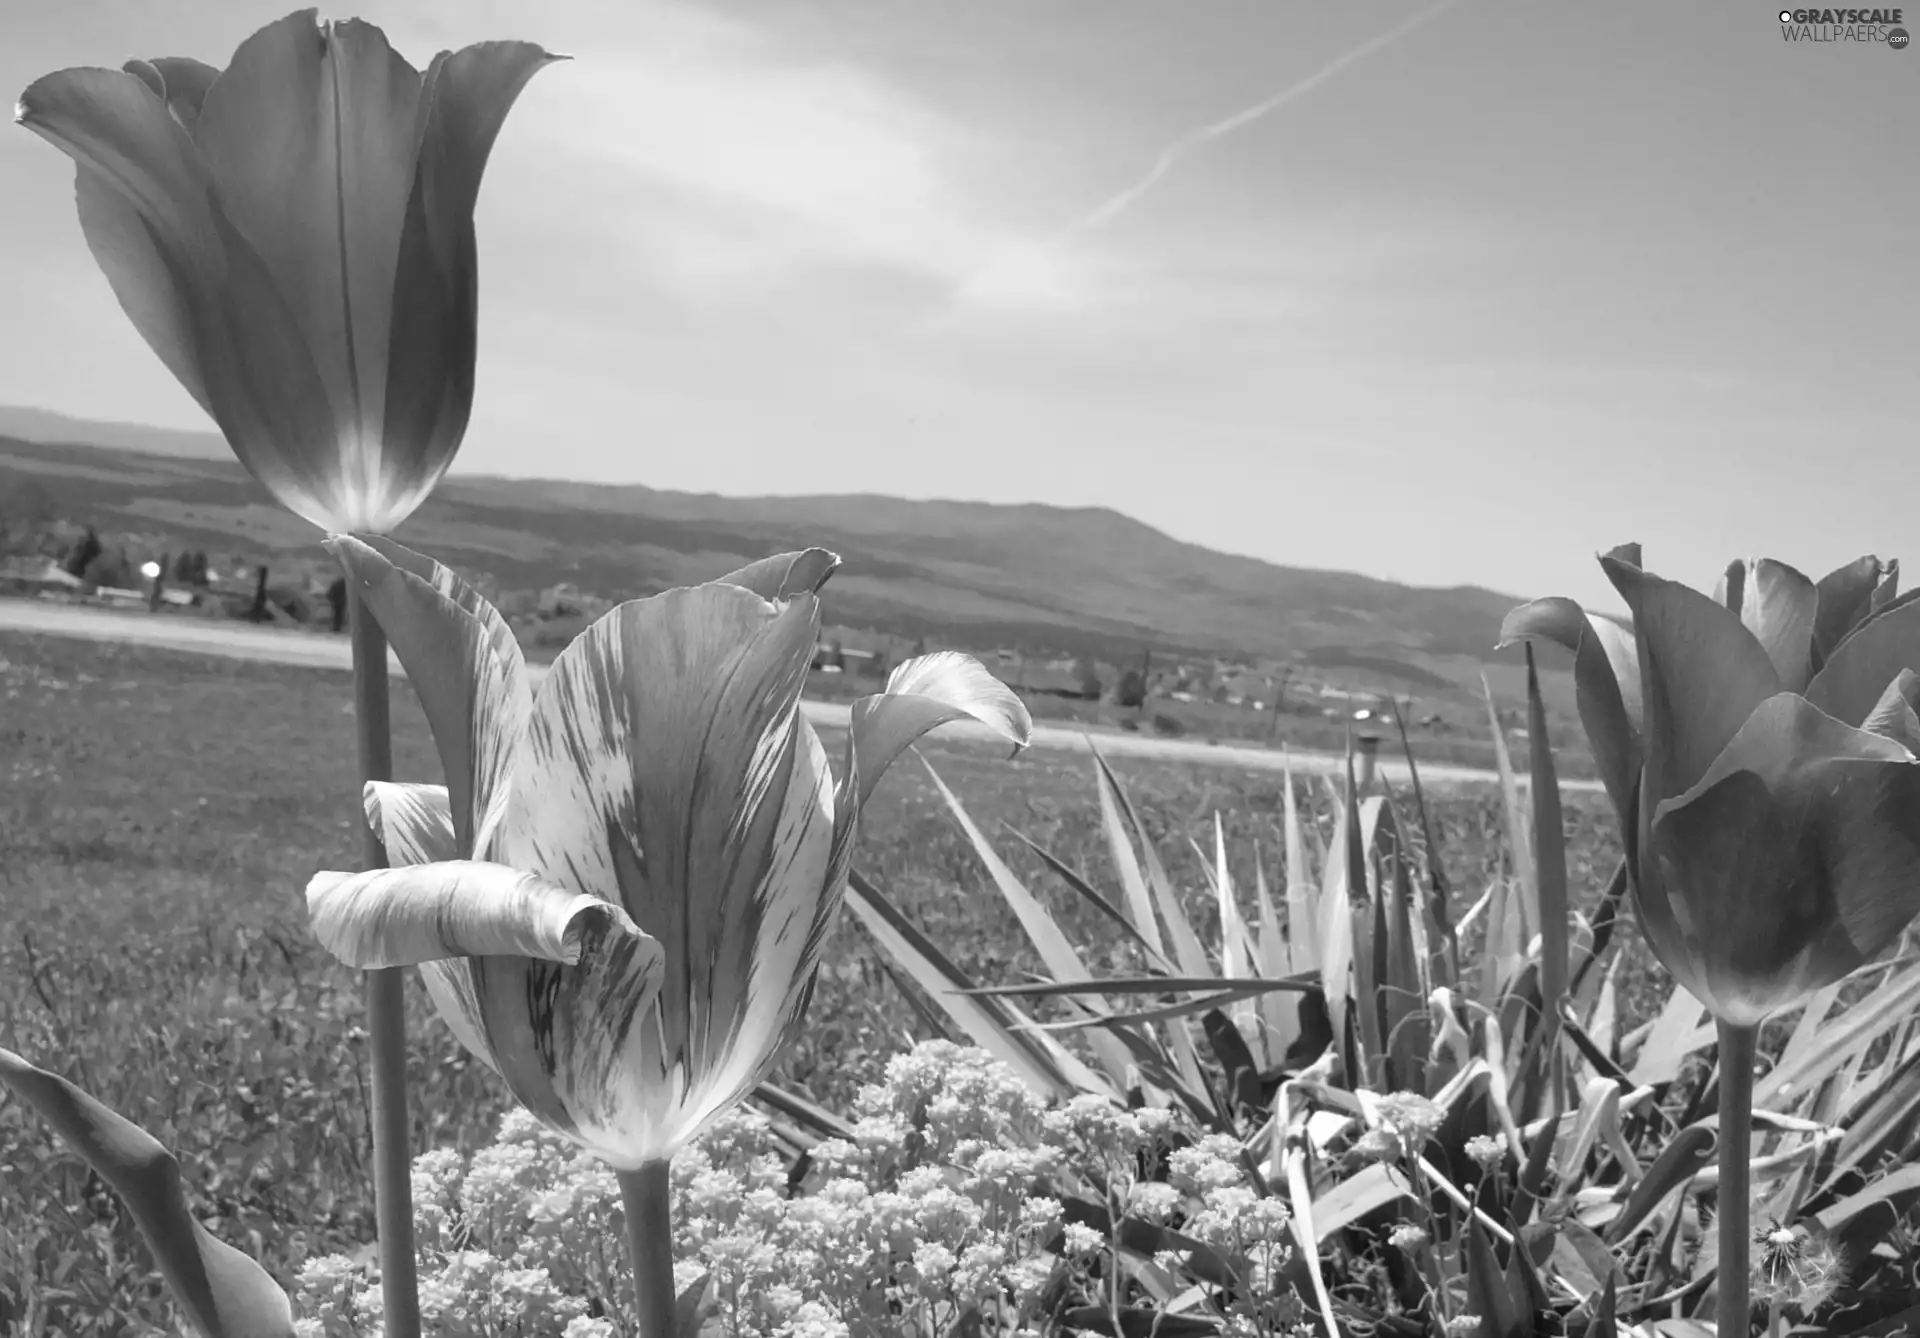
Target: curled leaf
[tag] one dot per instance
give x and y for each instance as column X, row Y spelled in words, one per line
column 223, row 1292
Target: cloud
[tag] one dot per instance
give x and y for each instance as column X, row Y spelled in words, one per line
column 721, row 156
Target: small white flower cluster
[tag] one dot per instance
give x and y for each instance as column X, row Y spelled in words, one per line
column 931, row 1213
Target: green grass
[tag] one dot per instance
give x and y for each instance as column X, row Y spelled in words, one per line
column 160, row 815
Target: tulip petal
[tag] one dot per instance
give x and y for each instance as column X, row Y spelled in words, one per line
column 1730, row 590
column 224, row 1292
column 178, row 81
column 457, row 908
column 558, row 1026
column 145, row 282
column 1778, row 604
column 1846, row 597
column 923, row 694
column 1897, row 714
column 464, row 101
column 1701, row 675
column 309, row 133
column 112, row 122
column 464, row 664
column 785, row 575
column 1794, row 861
column 256, row 373
column 1854, row 678
column 1607, row 683
column 142, row 194
column 415, row 826
column 1887, row 592
column 414, row 822
column 1627, row 553
column 803, row 889
column 664, row 765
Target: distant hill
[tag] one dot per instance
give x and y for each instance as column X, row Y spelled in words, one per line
column 1041, row 578
column 40, row 425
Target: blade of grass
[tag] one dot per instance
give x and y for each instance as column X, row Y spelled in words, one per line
column 1854, row 1030
column 815, row 1119
column 997, row 1027
column 1117, row 817
column 1303, row 909
column 1126, row 864
column 1236, row 943
column 1042, row 930
column 1106, row 908
column 1187, row 950
column 1446, row 943
column 932, row 1021
column 1281, row 1017
column 1674, row 1036
column 1348, row 909
column 1510, row 928
column 1549, row 861
column 1125, row 985
column 1402, row 989
column 1300, row 1197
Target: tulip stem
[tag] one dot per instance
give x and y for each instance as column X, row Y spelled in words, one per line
column 1734, row 1307
column 386, row 1011
column 646, row 1195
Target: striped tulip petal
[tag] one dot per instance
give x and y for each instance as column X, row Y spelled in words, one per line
column 793, row 910
column 666, row 767
column 414, row 822
column 785, row 575
column 464, row 664
column 550, row 988
column 224, row 1292
column 456, row 908
column 415, row 826
column 922, row 694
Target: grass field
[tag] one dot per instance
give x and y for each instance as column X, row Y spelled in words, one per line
column 160, row 815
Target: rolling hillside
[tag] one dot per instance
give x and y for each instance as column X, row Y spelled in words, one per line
column 1037, row 577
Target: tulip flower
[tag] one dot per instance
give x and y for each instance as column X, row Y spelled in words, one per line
column 1763, row 750
column 662, row 773
column 293, row 236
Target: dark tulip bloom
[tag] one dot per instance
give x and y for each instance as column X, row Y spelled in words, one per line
column 293, row 236
column 1760, row 747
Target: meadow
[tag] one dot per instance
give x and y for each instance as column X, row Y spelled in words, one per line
column 161, row 813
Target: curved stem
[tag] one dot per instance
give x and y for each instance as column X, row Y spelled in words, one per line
column 646, row 1194
column 386, row 1015
column 1734, row 1308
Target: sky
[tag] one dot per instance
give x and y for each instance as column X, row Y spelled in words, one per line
column 1457, row 293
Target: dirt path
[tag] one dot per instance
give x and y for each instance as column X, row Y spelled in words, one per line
column 275, row 646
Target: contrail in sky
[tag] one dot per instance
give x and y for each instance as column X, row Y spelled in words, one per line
column 1006, row 267
column 1179, row 149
